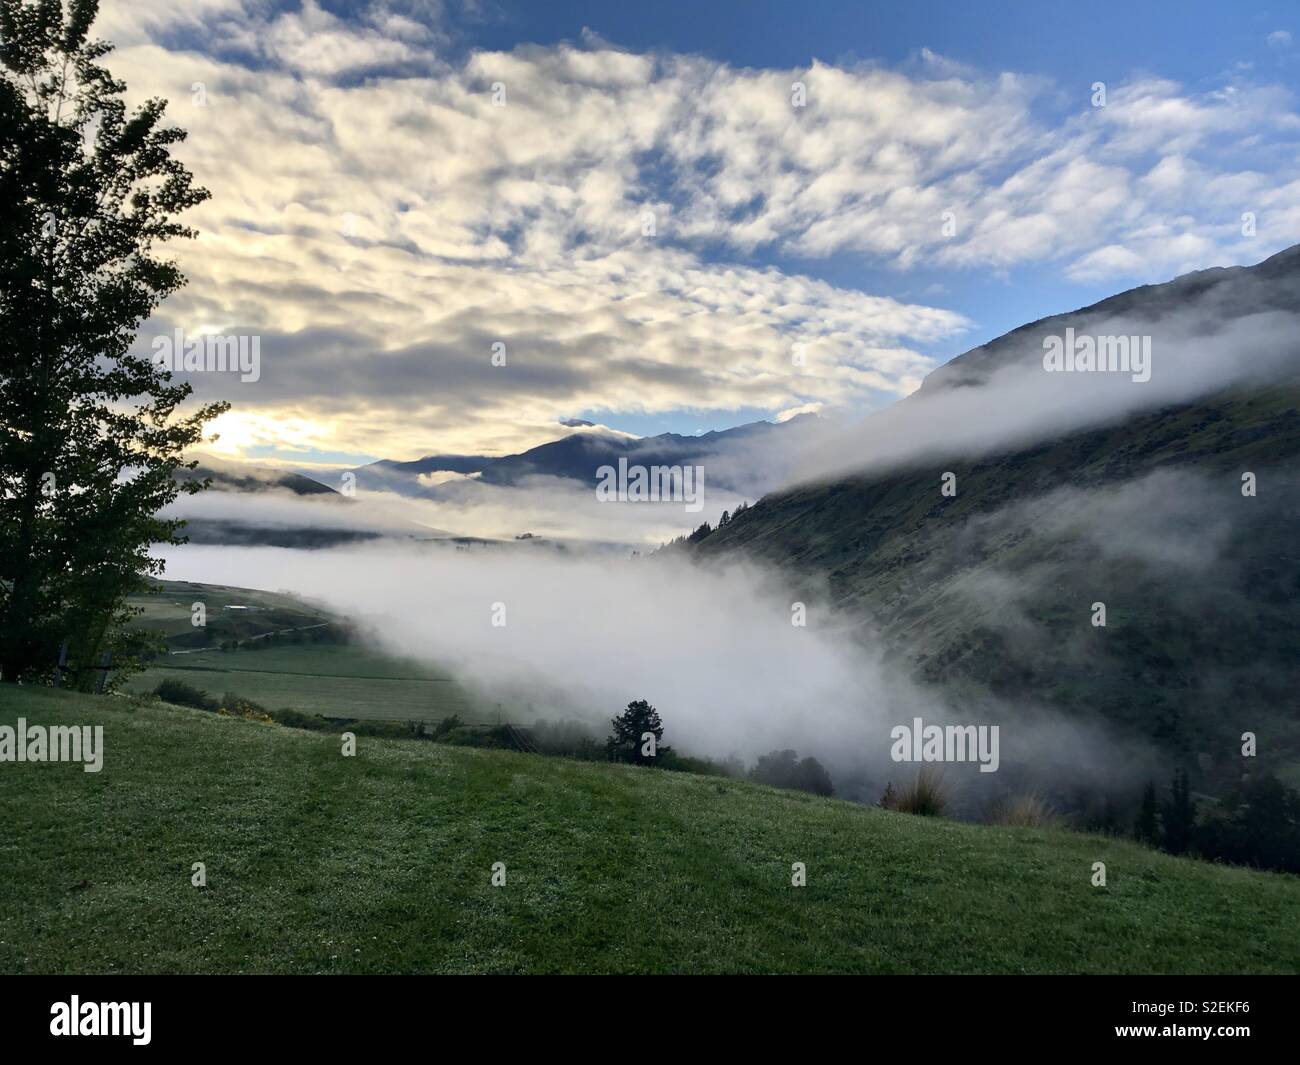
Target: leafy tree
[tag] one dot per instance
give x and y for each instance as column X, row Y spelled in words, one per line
column 784, row 769
column 91, row 436
column 811, row 776
column 625, row 742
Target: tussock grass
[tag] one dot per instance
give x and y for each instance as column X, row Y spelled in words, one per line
column 1026, row 811
column 927, row 794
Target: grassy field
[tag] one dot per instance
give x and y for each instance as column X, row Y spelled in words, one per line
column 332, row 679
column 232, row 613
column 329, row 679
column 382, row 863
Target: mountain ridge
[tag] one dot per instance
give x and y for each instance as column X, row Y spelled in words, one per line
column 986, row 595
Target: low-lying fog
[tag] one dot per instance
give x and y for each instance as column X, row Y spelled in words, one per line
column 716, row 651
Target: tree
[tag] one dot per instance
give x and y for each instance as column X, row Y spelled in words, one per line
column 91, row 435
column 1256, row 823
column 784, row 769
column 626, row 742
column 1179, row 814
column 699, row 534
column 812, row 776
column 1147, row 828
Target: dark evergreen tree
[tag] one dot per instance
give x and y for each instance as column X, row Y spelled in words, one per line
column 699, row 534
column 1147, row 828
column 1179, row 814
column 628, row 736
column 1256, row 823
column 811, row 776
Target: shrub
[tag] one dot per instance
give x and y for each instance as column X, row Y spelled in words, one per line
column 570, row 739
column 182, row 694
column 446, row 725
column 682, row 763
column 1026, row 811
column 927, row 795
column 233, row 705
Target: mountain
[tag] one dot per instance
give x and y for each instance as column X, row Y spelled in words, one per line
column 248, row 505
column 581, row 455
column 240, row 477
column 1207, row 297
column 578, row 456
column 463, row 464
column 989, row 595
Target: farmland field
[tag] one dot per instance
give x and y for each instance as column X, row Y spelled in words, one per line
column 319, row 675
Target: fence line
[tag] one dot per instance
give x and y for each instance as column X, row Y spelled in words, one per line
column 105, row 665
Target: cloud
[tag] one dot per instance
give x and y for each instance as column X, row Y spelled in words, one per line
column 380, row 222
column 1204, row 338
column 573, row 646
column 314, row 42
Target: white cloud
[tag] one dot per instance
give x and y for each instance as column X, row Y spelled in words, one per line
column 381, row 232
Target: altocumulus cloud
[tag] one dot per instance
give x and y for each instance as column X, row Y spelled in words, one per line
column 381, row 222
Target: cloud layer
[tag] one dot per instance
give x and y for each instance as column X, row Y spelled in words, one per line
column 622, row 225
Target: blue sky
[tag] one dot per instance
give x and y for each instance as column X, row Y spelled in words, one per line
column 380, row 222
column 1199, row 43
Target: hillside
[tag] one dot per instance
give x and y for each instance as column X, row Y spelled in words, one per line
column 282, row 652
column 988, row 594
column 382, row 863
column 242, row 477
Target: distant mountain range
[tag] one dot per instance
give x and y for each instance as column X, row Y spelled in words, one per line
column 580, row 455
column 733, row 457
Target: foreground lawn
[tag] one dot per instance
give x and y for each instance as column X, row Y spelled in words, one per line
column 383, row 863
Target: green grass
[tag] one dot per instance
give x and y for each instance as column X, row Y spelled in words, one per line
column 232, row 613
column 329, row 679
column 382, row 863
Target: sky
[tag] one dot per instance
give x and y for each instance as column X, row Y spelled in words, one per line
column 453, row 225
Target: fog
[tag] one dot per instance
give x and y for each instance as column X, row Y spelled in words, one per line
column 985, row 411
column 714, row 650
column 554, row 508
column 996, row 399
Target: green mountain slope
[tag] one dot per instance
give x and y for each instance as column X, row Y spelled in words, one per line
column 383, row 862
column 989, row 594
